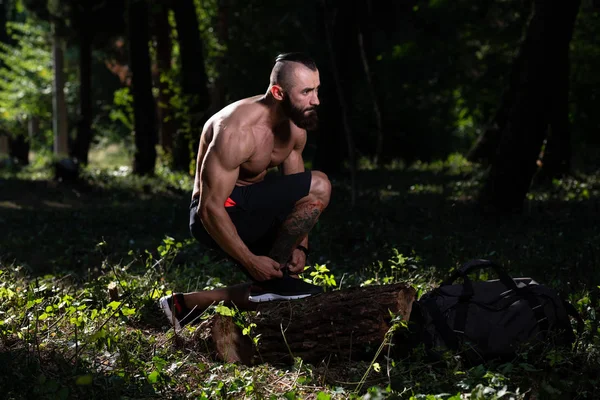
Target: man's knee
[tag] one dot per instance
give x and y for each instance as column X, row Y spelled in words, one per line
column 320, row 187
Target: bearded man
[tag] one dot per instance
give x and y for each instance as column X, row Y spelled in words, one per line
column 258, row 219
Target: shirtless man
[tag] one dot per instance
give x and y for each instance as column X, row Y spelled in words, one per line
column 259, row 219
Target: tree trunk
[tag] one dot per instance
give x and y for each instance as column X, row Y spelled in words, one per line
column 4, row 151
column 329, row 156
column 84, row 127
column 19, row 149
column 218, row 92
column 330, row 20
column 528, row 118
column 4, row 137
column 485, row 147
column 193, row 82
column 557, row 153
column 370, row 85
column 162, row 31
column 59, row 106
column 33, row 128
column 144, row 111
column 339, row 326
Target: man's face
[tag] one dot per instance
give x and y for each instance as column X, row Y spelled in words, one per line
column 301, row 100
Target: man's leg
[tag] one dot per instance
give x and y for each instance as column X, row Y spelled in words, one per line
column 293, row 230
column 302, row 218
column 232, row 295
column 183, row 308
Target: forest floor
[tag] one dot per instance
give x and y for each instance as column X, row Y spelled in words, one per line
column 62, row 244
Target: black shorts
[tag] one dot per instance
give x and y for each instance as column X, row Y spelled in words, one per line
column 257, row 210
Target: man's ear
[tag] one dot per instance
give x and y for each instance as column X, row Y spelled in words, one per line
column 277, row 92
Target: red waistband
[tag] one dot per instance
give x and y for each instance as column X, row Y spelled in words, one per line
column 229, row 202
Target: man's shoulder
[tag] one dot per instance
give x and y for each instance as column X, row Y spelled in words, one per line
column 233, row 130
column 240, row 115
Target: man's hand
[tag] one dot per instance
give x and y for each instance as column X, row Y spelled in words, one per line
column 264, row 268
column 297, row 262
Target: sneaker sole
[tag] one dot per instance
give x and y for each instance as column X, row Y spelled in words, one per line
column 164, row 305
column 273, row 296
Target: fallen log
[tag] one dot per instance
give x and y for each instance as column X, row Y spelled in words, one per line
column 338, row 326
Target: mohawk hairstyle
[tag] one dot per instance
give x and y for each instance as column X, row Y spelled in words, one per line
column 280, row 75
column 298, row 57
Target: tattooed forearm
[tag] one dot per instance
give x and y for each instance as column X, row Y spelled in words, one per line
column 294, row 229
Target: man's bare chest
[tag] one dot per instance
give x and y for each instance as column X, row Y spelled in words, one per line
column 269, row 155
column 270, row 152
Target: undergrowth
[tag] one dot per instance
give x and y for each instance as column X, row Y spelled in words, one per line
column 96, row 332
column 63, row 338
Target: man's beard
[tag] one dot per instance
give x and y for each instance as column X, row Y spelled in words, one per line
column 303, row 118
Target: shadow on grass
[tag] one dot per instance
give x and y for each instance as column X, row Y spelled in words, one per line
column 50, row 227
column 435, row 217
column 429, row 214
column 27, row 374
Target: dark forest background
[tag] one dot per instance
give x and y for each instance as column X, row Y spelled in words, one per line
column 503, row 83
column 450, row 130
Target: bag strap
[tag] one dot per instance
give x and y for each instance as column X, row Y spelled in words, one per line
column 571, row 311
column 448, row 335
column 473, row 265
column 537, row 308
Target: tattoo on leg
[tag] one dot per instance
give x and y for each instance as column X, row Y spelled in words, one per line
column 294, row 229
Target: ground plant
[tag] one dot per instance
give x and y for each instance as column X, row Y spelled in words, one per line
column 83, row 264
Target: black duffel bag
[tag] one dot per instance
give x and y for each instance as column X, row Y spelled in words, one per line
column 492, row 319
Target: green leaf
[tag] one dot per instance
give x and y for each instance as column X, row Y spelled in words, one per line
column 224, row 310
column 502, row 392
column 377, row 367
column 63, row 394
column 291, row 395
column 114, row 304
column 323, row 396
column 527, row 367
column 153, row 377
column 98, row 335
column 84, row 380
column 43, row 317
column 126, row 311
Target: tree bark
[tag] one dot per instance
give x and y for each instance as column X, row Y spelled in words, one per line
column 485, row 147
column 59, row 117
column 330, row 20
column 218, row 93
column 162, row 31
column 514, row 163
column 19, row 149
column 84, row 127
column 141, row 83
column 339, row 326
column 4, row 38
column 3, row 147
column 330, row 137
column 33, row 127
column 193, row 82
column 556, row 160
column 370, row 85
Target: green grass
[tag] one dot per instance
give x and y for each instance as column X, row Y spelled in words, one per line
column 108, row 156
column 62, row 245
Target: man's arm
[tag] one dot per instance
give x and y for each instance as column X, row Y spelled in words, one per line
column 219, row 174
column 292, row 165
